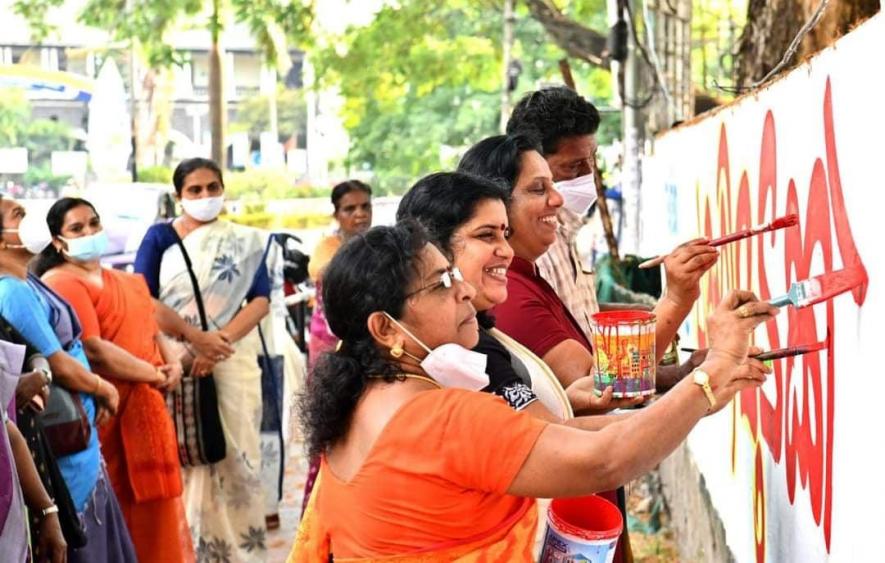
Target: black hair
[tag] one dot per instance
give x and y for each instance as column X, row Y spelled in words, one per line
column 370, row 273
column 498, row 158
column 55, row 219
column 189, row 165
column 444, row 201
column 552, row 114
column 344, row 188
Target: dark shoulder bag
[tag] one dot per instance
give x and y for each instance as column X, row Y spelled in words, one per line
column 194, row 403
column 30, row 425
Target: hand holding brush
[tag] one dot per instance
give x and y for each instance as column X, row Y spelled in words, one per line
column 780, row 223
column 822, row 287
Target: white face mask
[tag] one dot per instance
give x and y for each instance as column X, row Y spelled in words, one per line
column 451, row 365
column 33, row 233
column 578, row 194
column 204, row 209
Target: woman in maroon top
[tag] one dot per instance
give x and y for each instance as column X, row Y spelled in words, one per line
column 533, row 314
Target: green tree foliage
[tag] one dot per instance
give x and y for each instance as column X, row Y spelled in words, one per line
column 274, row 23
column 715, row 29
column 14, row 113
column 40, row 136
column 267, row 184
column 423, row 80
column 155, row 174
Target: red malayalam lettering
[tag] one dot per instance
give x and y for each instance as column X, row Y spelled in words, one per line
column 797, row 425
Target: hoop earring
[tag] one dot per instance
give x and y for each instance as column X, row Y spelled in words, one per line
column 397, row 351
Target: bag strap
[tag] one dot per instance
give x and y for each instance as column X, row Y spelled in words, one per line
column 198, row 296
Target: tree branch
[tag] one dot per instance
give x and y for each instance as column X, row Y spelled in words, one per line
column 575, row 39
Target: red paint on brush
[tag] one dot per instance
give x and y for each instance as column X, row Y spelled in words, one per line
column 779, row 223
column 831, row 284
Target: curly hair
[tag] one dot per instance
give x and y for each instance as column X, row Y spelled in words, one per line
column 498, row 158
column 370, row 273
column 553, row 114
column 444, row 201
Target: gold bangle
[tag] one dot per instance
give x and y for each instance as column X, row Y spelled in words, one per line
column 97, row 385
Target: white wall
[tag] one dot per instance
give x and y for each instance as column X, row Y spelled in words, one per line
column 795, row 470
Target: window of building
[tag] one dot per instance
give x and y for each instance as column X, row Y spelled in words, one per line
column 25, row 55
column 247, row 72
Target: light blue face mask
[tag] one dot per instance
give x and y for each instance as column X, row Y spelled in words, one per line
column 86, row 248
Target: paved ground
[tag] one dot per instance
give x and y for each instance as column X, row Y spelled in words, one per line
column 279, row 542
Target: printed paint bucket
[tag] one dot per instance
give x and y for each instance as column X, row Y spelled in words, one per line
column 584, row 529
column 625, row 352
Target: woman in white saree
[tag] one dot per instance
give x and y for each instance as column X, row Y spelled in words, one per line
column 224, row 501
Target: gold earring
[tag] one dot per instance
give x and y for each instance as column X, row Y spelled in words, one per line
column 397, row 351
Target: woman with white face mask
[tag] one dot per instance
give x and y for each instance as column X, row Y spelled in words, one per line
column 224, row 501
column 415, row 462
column 49, row 323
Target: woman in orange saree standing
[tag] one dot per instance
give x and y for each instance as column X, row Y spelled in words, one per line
column 123, row 343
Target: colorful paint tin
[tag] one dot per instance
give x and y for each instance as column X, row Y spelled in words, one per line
column 624, row 342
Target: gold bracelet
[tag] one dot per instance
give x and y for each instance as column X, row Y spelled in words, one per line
column 97, row 385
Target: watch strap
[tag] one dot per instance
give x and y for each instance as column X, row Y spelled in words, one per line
column 705, row 386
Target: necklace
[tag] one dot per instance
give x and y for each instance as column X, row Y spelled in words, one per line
column 412, row 376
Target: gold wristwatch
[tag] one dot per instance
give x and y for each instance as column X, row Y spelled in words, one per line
column 702, row 378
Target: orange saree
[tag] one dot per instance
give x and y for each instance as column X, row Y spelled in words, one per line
column 432, row 488
column 513, row 540
column 138, row 444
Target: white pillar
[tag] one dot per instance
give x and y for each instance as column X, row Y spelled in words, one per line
column 631, row 174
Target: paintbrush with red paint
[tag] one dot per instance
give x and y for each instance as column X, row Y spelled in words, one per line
column 791, row 351
column 779, row 223
column 822, row 287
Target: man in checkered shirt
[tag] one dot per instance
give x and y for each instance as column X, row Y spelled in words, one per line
column 565, row 124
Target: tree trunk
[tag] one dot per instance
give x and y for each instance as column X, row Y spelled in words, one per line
column 772, row 25
column 575, row 39
column 217, row 101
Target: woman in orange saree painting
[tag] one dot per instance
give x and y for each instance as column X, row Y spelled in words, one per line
column 416, row 465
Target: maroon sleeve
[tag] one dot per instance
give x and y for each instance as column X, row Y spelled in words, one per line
column 526, row 317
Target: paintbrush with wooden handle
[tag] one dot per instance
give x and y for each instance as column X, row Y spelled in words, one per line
column 790, row 351
column 782, row 352
column 779, row 223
